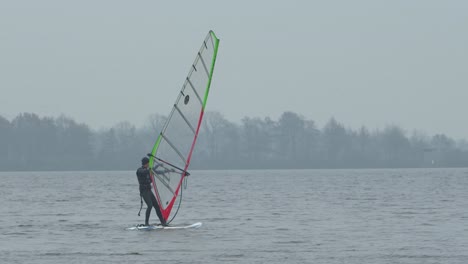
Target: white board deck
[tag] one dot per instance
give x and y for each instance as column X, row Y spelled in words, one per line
column 156, row 227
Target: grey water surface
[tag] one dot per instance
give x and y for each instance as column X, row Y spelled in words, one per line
column 279, row 216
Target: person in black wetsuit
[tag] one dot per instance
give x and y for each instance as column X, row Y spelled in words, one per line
column 143, row 175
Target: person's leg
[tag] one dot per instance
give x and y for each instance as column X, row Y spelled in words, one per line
column 149, row 203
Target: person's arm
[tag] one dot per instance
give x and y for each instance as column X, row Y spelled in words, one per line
column 148, row 175
column 163, row 171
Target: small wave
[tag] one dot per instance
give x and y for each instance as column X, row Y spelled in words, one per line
column 407, row 213
column 232, row 256
column 126, row 254
column 423, row 256
column 218, row 219
column 291, row 242
column 427, row 224
column 52, row 254
column 25, row 225
column 15, row 234
column 56, row 254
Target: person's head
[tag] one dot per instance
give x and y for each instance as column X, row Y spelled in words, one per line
column 145, row 162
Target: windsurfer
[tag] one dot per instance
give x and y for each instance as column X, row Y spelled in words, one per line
column 143, row 175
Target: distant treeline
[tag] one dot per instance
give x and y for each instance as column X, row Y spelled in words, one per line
column 30, row 142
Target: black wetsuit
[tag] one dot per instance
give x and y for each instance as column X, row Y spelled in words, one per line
column 144, row 179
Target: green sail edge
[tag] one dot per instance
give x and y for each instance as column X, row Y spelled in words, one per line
column 213, row 61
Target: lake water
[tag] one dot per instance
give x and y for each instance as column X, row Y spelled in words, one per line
column 280, row 216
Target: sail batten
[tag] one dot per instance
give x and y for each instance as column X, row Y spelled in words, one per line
column 186, row 121
column 194, row 90
column 163, row 181
column 175, row 149
column 177, row 139
column 204, row 66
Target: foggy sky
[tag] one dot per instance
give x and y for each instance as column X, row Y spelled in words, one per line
column 369, row 63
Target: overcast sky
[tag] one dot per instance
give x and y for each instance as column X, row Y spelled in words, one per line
column 370, row 63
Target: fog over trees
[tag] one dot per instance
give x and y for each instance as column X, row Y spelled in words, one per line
column 30, row 142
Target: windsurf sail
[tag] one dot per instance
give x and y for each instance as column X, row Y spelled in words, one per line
column 172, row 151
